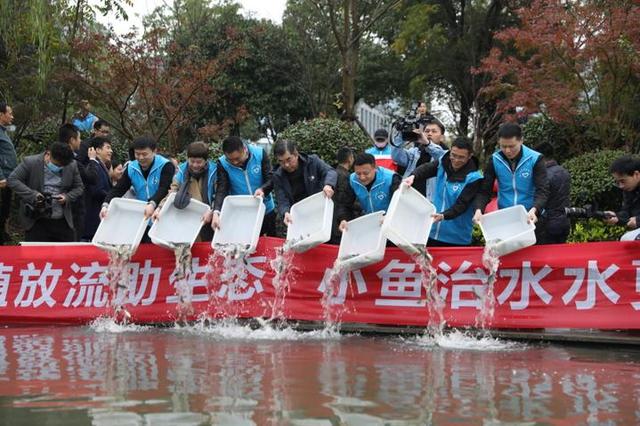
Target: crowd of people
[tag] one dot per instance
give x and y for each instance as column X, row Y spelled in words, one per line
column 65, row 191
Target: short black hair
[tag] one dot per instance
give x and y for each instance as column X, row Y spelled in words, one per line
column 625, row 165
column 144, row 142
column 99, row 123
column 363, row 158
column 510, row 130
column 66, row 132
column 546, row 149
column 3, row 107
column 232, row 144
column 435, row 121
column 61, row 152
column 462, row 142
column 198, row 149
column 99, row 142
column 282, row 146
column 343, row 154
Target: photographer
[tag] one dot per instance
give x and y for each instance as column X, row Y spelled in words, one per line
column 626, row 174
column 47, row 184
column 427, row 134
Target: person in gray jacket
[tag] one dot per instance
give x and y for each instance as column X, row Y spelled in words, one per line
column 47, row 184
column 299, row 176
column 8, row 162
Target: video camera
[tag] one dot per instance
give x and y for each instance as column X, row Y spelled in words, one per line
column 589, row 211
column 42, row 208
column 407, row 124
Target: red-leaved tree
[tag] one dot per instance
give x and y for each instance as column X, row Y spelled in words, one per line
column 578, row 62
column 150, row 86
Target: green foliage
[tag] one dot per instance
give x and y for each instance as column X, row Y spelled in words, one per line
column 591, row 180
column 477, row 239
column 594, row 230
column 324, row 136
column 539, row 129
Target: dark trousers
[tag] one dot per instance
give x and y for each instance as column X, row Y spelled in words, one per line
column 552, row 231
column 269, row 225
column 5, row 211
column 50, row 231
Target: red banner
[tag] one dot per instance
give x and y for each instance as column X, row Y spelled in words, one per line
column 594, row 285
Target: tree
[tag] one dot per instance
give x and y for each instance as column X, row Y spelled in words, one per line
column 36, row 47
column 575, row 62
column 264, row 83
column 149, row 86
column 442, row 41
column 350, row 22
column 315, row 50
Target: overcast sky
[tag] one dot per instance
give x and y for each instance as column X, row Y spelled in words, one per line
column 269, row 9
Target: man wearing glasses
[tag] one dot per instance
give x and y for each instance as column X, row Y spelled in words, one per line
column 457, row 183
column 299, row 176
column 626, row 174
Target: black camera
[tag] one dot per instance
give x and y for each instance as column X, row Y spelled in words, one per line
column 589, row 211
column 407, row 124
column 41, row 208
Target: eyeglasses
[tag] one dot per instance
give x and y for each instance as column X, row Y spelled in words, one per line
column 458, row 157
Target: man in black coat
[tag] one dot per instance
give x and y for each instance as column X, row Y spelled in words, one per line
column 554, row 225
column 299, row 176
column 95, row 193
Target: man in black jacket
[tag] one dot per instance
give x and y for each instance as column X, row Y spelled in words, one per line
column 70, row 135
column 8, row 162
column 626, row 174
column 554, row 225
column 299, row 176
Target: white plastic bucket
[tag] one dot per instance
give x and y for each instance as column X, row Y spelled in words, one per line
column 631, row 235
column 240, row 222
column 508, row 230
column 408, row 220
column 178, row 226
column 124, row 225
column 312, row 219
column 363, row 242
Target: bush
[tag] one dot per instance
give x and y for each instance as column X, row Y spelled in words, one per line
column 539, row 130
column 584, row 231
column 591, row 180
column 324, row 136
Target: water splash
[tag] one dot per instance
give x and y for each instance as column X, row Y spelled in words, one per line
column 182, row 252
column 284, row 270
column 491, row 261
column 118, row 278
column 458, row 339
column 109, row 325
column 332, row 307
column 228, row 273
column 429, row 281
column 231, row 329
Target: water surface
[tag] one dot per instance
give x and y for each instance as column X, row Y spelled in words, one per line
column 109, row 375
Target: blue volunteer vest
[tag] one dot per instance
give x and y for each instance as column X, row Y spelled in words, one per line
column 211, row 184
column 246, row 181
column 378, row 198
column 458, row 230
column 516, row 187
column 146, row 188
